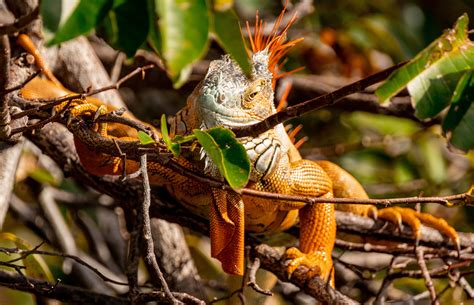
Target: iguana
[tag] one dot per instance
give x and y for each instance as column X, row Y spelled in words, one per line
column 227, row 97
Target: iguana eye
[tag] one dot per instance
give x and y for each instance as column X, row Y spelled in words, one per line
column 252, row 93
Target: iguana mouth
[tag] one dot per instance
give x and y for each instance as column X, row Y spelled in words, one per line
column 215, row 113
column 214, row 118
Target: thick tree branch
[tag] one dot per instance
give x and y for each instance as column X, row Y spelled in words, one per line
column 5, row 119
column 271, row 260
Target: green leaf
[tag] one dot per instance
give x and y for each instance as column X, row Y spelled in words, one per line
column 154, row 35
column 227, row 153
column 461, row 100
column 43, row 176
column 51, row 11
column 144, row 138
column 222, row 5
column 183, row 139
column 183, row 27
column 36, row 267
column 85, row 17
column 450, row 54
column 227, row 30
column 438, row 76
column 126, row 27
column 175, row 148
column 462, row 136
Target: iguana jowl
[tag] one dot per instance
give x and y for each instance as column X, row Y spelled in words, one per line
column 227, row 97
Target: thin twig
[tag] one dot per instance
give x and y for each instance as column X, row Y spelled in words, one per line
column 252, row 278
column 58, row 291
column 24, row 83
column 150, row 257
column 133, row 256
column 26, row 253
column 426, row 276
column 161, row 296
column 41, row 123
column 49, row 103
column 404, row 249
column 19, row 23
column 117, row 67
column 380, row 297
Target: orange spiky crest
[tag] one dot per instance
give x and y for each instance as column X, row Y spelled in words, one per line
column 275, row 43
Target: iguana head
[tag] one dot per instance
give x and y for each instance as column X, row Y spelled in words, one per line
column 229, row 98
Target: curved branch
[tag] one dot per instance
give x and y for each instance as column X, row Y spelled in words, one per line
column 313, row 104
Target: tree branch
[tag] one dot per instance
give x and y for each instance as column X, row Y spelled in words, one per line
column 271, row 260
column 313, row 104
column 57, row 291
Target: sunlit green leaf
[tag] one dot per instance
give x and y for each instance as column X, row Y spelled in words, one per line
column 43, row 176
column 227, row 153
column 227, row 30
column 145, row 138
column 222, row 5
column 85, row 17
column 175, row 148
column 183, row 27
column 438, row 76
column 451, row 53
column 180, row 139
column 36, row 267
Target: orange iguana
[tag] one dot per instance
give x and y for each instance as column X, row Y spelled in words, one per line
column 227, row 97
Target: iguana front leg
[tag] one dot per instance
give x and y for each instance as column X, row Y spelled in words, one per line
column 317, row 222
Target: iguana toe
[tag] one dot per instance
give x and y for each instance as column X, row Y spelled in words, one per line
column 414, row 220
column 317, row 262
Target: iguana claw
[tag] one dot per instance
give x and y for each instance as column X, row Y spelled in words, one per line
column 317, row 262
column 414, row 220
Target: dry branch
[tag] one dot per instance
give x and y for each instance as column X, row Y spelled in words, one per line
column 316, row 287
column 57, row 291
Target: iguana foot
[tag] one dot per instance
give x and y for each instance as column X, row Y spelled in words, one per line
column 80, row 107
column 318, row 263
column 414, row 220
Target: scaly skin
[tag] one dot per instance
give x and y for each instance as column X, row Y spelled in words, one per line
column 226, row 97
